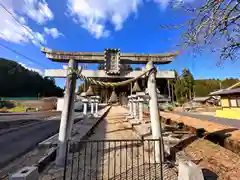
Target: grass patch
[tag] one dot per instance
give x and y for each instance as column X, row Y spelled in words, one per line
column 11, row 106
column 17, row 109
column 14, row 109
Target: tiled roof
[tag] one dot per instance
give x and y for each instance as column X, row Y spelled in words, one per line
column 228, row 91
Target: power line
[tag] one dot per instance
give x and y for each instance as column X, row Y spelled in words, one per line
column 16, row 32
column 20, row 54
column 20, row 23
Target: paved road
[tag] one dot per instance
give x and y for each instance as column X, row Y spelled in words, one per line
column 22, row 140
column 17, row 141
column 224, row 121
column 15, row 120
column 27, row 115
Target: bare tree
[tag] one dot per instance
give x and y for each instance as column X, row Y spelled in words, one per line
column 211, row 23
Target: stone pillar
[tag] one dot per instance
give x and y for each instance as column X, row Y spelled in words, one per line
column 134, row 106
column 142, row 97
column 141, row 101
column 85, row 104
column 66, row 117
column 92, row 104
column 154, row 114
column 96, row 104
column 131, row 105
column 137, row 107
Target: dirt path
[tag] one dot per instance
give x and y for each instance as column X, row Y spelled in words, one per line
column 113, row 151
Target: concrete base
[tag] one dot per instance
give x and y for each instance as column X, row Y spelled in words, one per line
column 187, row 170
column 46, row 159
column 96, row 115
column 26, row 173
column 134, row 122
column 129, row 117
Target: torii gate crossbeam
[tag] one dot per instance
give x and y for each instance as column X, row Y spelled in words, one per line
column 99, row 57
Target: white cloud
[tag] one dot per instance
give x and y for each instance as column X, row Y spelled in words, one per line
column 32, row 69
column 163, row 3
column 94, row 14
column 53, row 32
column 37, row 10
column 174, row 3
column 11, row 31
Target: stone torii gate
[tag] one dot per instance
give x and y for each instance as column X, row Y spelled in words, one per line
column 112, row 59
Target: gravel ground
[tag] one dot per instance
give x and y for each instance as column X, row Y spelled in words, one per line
column 112, row 159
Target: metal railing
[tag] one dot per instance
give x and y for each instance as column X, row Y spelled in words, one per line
column 112, row 159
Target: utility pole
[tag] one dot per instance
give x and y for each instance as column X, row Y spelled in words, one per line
column 220, row 85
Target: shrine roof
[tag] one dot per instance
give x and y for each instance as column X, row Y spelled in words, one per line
column 99, row 57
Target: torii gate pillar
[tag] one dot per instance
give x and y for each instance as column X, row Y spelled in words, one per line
column 154, row 114
column 66, row 118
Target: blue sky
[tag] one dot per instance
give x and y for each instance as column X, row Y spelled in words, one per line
column 92, row 25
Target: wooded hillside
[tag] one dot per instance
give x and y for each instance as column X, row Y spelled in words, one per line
column 185, row 87
column 17, row 81
column 205, row 86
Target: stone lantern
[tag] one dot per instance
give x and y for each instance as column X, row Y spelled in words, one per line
column 97, row 99
column 142, row 98
column 90, row 95
column 130, row 104
column 136, row 89
column 135, row 104
column 85, row 103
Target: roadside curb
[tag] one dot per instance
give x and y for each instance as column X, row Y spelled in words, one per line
column 50, row 156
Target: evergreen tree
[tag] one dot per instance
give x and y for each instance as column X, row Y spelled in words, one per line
column 188, row 82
